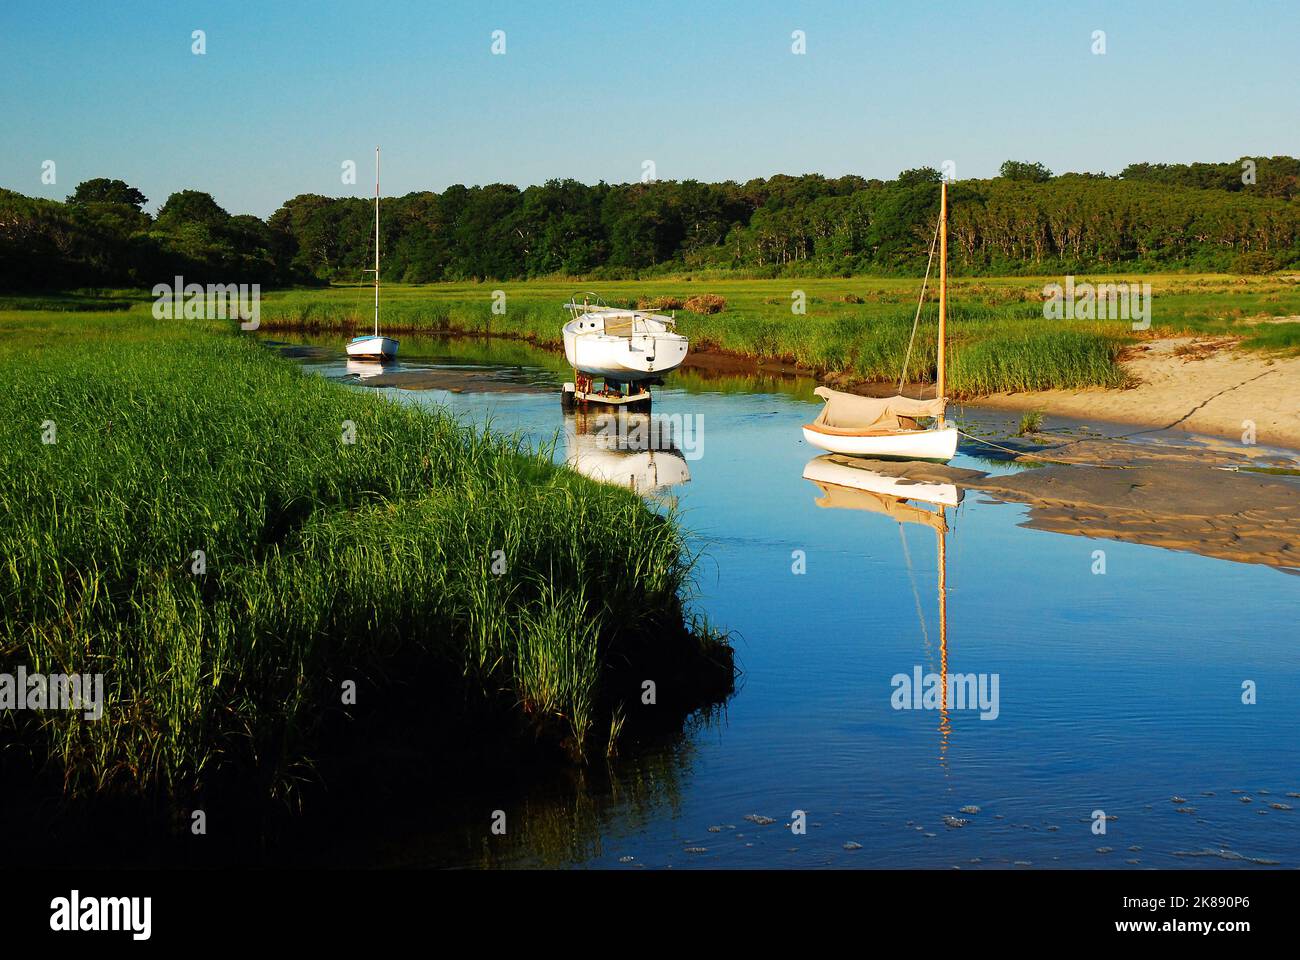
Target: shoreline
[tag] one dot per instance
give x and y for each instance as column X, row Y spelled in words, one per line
column 1201, row 385
column 1197, row 385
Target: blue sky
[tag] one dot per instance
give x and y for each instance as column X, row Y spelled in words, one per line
column 711, row 91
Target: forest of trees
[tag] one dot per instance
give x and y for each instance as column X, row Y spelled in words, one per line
column 1240, row 216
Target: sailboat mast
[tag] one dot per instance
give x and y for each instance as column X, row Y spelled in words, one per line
column 376, row 241
column 943, row 282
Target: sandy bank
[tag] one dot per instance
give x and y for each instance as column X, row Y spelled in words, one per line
column 1195, row 384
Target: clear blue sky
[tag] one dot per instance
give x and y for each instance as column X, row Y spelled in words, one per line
column 589, row 90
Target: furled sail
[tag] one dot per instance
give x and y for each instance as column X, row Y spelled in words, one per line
column 848, row 411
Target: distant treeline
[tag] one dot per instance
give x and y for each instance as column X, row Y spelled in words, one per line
column 1241, row 216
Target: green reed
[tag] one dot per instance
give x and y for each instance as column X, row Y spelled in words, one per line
column 999, row 338
column 426, row 559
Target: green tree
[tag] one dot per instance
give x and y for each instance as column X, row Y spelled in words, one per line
column 1020, row 170
column 919, row 175
column 191, row 207
column 103, row 190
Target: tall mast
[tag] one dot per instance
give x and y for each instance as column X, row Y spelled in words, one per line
column 377, row 243
column 943, row 280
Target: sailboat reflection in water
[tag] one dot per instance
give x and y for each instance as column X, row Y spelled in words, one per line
column 850, row 484
column 633, row 450
column 365, row 369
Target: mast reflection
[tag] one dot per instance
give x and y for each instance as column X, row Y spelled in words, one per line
column 851, row 485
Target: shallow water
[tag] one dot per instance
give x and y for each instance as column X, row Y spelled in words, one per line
column 1117, row 692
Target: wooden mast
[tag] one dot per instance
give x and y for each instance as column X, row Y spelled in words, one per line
column 943, row 282
column 377, row 241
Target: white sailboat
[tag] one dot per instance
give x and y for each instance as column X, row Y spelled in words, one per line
column 888, row 427
column 621, row 345
column 374, row 347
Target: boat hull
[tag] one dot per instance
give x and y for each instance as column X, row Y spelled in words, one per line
column 626, row 359
column 372, row 348
column 900, row 445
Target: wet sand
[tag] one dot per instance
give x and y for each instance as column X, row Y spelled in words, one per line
column 1193, row 498
column 1201, row 385
column 453, row 379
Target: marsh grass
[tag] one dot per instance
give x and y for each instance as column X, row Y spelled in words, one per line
column 1030, row 422
column 859, row 327
column 326, row 562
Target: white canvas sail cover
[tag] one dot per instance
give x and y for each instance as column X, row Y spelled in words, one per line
column 848, row 411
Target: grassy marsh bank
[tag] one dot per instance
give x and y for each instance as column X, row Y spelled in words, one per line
column 451, row 574
column 857, row 328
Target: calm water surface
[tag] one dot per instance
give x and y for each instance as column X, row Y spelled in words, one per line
column 1116, row 692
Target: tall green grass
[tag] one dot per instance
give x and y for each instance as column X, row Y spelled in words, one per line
column 861, row 327
column 326, row 562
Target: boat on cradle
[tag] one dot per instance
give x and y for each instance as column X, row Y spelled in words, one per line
column 622, row 345
column 373, row 346
column 890, row 427
column 617, row 353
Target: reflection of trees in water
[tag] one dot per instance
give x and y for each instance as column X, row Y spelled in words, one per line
column 706, row 379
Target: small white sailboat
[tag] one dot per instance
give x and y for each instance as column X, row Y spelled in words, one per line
column 374, row 347
column 888, row 427
column 870, row 427
column 621, row 345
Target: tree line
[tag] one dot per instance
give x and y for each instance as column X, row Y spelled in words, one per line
column 1241, row 217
